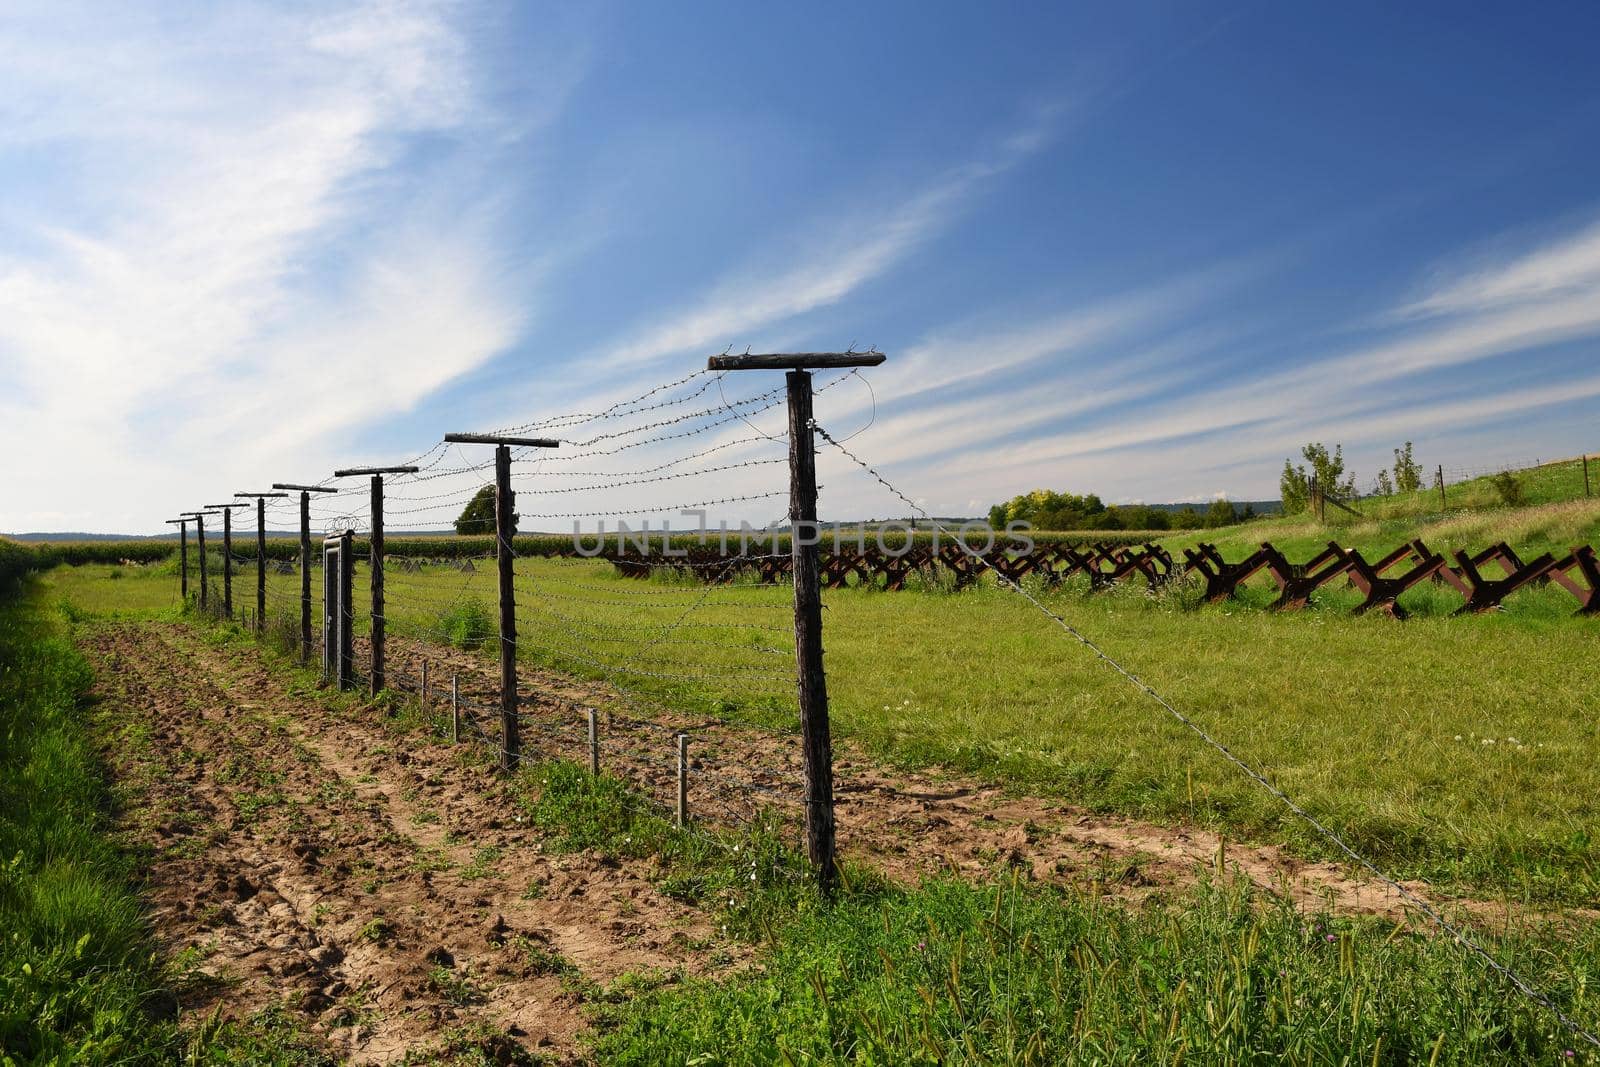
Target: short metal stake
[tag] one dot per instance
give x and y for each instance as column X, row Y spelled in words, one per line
column 455, row 710
column 594, row 741
column 683, row 780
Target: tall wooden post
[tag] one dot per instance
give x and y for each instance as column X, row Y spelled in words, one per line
column 1586, row 477
column 816, row 738
column 261, row 563
column 305, row 492
column 1440, row 476
column 305, row 576
column 183, row 557
column 378, row 644
column 227, row 555
column 505, row 530
column 199, row 518
column 804, row 534
column 379, row 620
column 227, row 564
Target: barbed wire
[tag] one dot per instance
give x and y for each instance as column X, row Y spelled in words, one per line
column 1327, row 833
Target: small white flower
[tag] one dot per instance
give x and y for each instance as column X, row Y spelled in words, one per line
column 1458, row 737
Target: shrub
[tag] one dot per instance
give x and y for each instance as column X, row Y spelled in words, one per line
column 466, row 624
column 1510, row 489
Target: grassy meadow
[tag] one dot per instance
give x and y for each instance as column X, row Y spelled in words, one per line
column 1458, row 749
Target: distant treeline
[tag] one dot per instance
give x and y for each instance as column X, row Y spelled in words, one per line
column 1046, row 509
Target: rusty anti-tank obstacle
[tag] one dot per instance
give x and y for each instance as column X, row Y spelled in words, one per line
column 1487, row 593
column 1582, row 559
column 1106, row 565
column 1297, row 581
column 1222, row 578
column 1383, row 593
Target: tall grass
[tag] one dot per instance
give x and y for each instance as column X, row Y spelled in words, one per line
column 1012, row 971
column 77, row 978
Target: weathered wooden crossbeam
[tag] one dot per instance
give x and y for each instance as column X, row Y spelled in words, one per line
column 795, row 361
column 501, row 439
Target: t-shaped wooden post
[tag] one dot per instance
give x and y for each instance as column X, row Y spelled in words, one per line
column 816, row 735
column 504, row 530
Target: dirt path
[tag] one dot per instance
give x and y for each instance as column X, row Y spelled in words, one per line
column 386, row 891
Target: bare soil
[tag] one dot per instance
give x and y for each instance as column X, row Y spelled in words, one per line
column 381, row 886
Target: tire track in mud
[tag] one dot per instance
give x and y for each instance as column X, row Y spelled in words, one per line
column 380, row 887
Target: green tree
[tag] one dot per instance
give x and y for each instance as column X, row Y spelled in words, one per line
column 1407, row 472
column 1327, row 470
column 1046, row 509
column 478, row 516
column 1383, row 486
column 1295, row 489
column 1221, row 513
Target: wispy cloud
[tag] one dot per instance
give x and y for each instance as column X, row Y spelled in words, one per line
column 1569, row 267
column 1076, row 420
column 204, row 265
column 860, row 248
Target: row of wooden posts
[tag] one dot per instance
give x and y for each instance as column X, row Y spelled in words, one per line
column 811, row 682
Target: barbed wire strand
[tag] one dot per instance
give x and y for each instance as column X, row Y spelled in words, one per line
column 1328, row 834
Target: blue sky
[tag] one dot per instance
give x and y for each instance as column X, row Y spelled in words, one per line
column 1145, row 250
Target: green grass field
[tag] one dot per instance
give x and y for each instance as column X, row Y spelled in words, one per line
column 1458, row 749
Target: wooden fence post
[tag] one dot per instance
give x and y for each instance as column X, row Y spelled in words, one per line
column 1440, row 476
column 305, row 560
column 227, row 562
column 504, row 532
column 378, row 643
column 261, row 554
column 425, row 693
column 455, row 710
column 261, row 560
column 1586, row 476
column 227, row 554
column 199, row 518
column 683, row 780
column 804, row 535
column 183, row 558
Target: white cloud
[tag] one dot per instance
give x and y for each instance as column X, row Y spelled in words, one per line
column 860, row 249
column 208, row 272
column 1564, row 268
